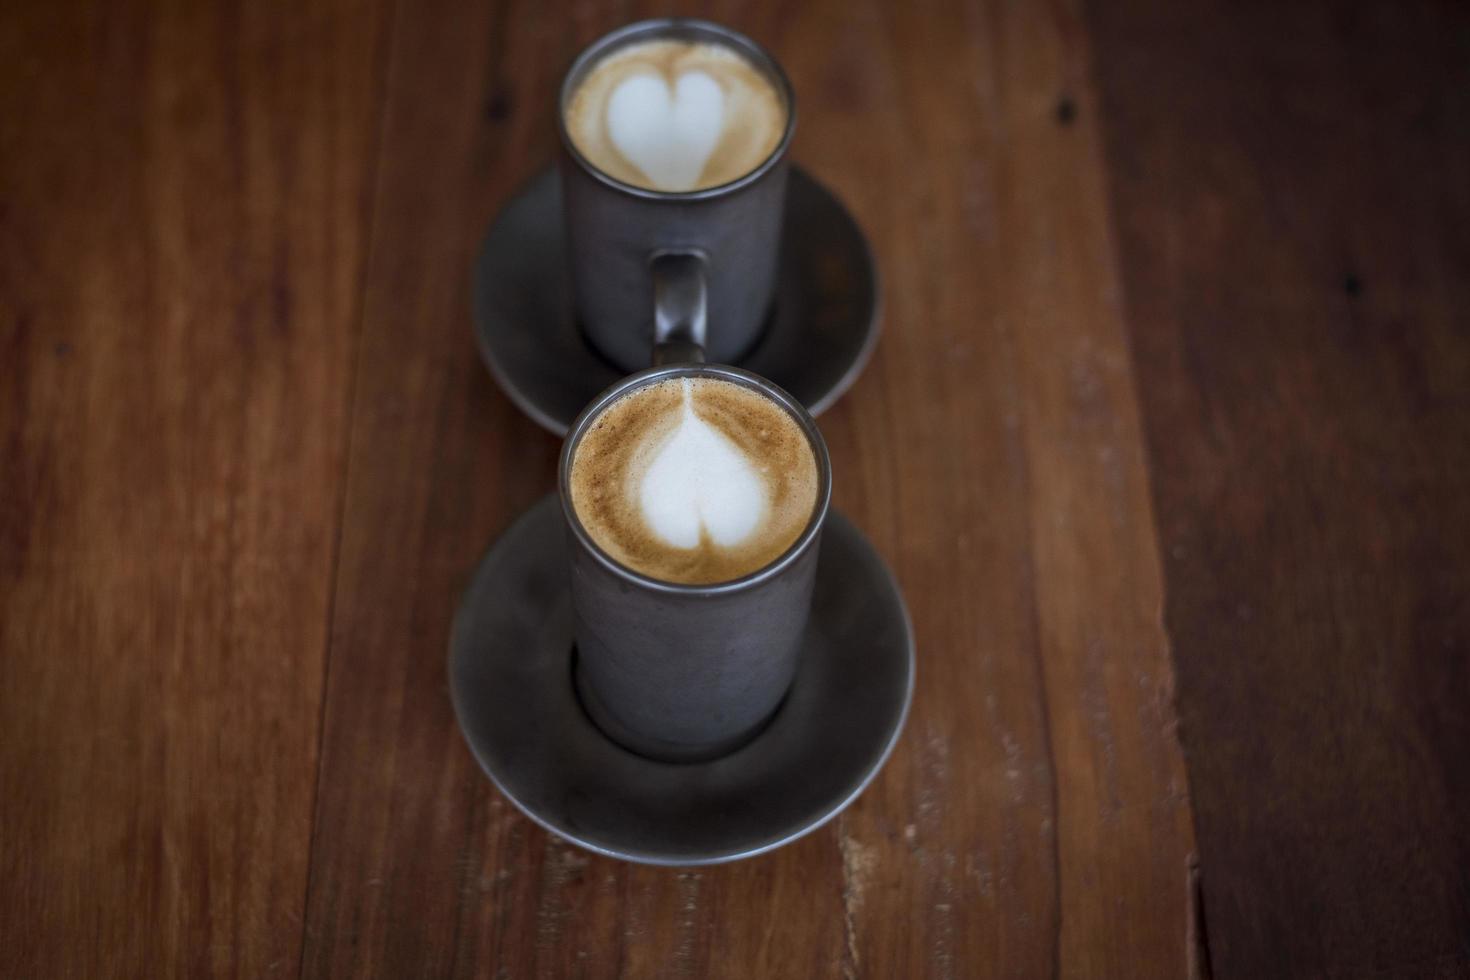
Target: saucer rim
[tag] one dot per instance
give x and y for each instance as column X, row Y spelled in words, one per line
column 480, row 318
column 653, row 858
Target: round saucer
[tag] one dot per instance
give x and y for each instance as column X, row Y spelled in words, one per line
column 510, row 675
column 818, row 339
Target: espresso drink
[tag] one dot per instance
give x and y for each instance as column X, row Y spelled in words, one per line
column 672, row 115
column 694, row 480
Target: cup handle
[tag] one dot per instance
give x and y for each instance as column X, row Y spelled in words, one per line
column 679, row 308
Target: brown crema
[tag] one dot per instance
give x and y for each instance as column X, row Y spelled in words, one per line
column 754, row 117
column 616, row 450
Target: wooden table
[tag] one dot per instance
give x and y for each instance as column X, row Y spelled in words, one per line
column 1175, row 383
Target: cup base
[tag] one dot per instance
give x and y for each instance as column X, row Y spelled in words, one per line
column 658, row 750
column 743, row 356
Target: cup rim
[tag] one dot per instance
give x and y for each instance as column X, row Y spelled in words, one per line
column 676, row 27
column 747, row 379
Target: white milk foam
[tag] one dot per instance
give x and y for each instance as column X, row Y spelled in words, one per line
column 700, row 481
column 669, row 139
column 674, row 115
column 694, row 479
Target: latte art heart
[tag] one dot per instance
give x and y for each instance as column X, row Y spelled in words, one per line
column 675, row 115
column 694, row 479
column 669, row 138
column 700, row 484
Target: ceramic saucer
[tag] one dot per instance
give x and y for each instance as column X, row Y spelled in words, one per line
column 817, row 341
column 510, row 672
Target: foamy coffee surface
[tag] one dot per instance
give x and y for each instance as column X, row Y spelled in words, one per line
column 675, row 115
column 694, row 480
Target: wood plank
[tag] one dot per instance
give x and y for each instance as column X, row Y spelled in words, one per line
column 1033, row 820
column 1021, row 520
column 182, row 231
column 1291, row 186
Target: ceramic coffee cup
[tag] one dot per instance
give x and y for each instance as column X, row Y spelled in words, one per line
column 630, row 237
column 678, row 671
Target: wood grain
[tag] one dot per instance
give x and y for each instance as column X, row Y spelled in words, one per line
column 1292, row 198
column 182, row 231
column 248, row 460
column 1033, row 820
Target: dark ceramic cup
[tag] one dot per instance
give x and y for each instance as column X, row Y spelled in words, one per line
column 688, row 672
column 628, row 244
